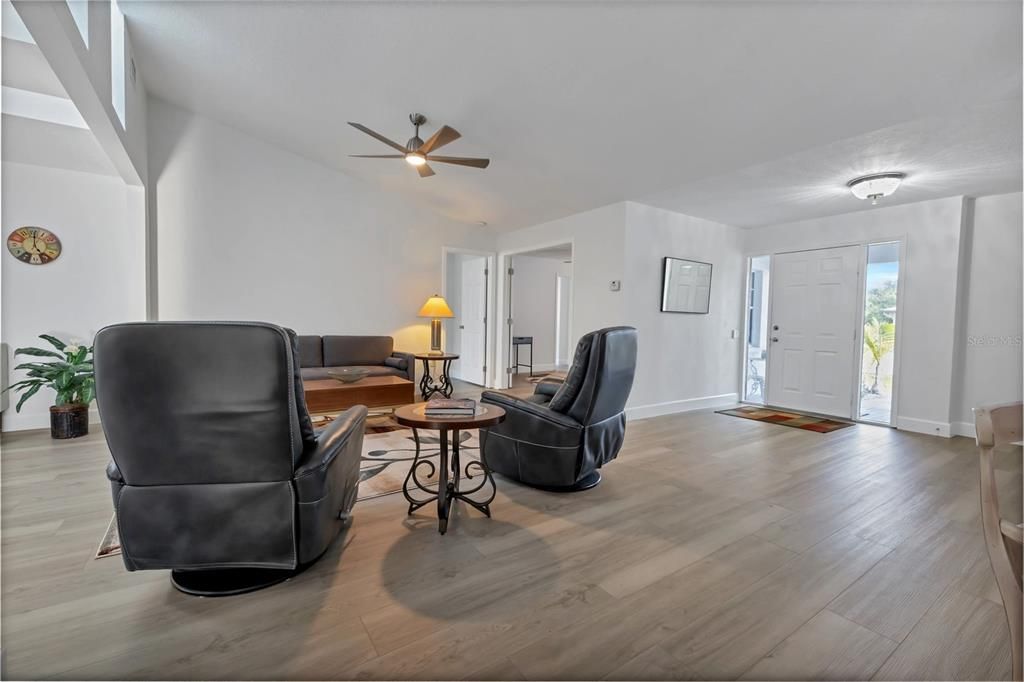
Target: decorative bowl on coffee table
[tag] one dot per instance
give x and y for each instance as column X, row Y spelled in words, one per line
column 348, row 375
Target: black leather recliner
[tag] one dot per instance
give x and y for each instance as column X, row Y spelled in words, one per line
column 217, row 473
column 559, row 437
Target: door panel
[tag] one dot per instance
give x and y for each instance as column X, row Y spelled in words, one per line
column 471, row 323
column 813, row 330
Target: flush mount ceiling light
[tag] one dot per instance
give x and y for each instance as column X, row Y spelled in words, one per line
column 875, row 186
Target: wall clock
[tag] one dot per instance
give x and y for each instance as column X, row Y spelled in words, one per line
column 34, row 245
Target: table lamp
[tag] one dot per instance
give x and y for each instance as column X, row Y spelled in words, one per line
column 435, row 307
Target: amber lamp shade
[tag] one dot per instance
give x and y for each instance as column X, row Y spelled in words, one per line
column 435, row 307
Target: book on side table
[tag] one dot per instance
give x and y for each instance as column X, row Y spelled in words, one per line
column 441, row 407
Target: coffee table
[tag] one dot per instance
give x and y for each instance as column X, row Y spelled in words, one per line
column 331, row 395
column 449, row 471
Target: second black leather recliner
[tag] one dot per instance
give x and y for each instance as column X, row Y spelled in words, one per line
column 559, row 437
column 217, row 473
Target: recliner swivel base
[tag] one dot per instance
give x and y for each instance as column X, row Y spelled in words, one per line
column 227, row 582
column 586, row 483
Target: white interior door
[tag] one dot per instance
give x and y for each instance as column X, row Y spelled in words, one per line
column 813, row 330
column 472, row 333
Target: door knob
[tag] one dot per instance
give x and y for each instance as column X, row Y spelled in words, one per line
column 775, row 327
column 775, row 339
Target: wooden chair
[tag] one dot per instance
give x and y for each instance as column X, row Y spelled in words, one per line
column 999, row 425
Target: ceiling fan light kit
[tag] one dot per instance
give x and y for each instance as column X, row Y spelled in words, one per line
column 416, row 152
column 875, row 186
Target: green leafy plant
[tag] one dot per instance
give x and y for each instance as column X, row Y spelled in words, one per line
column 879, row 339
column 69, row 373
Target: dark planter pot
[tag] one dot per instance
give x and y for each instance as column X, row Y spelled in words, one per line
column 69, row 421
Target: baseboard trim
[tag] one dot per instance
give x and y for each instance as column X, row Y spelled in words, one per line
column 941, row 429
column 12, row 421
column 677, row 406
column 963, row 429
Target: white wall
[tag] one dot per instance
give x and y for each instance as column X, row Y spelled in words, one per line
column 685, row 361
column 534, row 290
column 99, row 278
column 247, row 230
column 927, row 332
column 597, row 237
column 988, row 368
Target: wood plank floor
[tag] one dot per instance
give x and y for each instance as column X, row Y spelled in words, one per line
column 715, row 548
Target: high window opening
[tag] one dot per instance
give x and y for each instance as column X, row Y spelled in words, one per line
column 80, row 13
column 756, row 346
column 878, row 354
column 118, row 94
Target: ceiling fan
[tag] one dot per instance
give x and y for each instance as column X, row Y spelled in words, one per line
column 416, row 152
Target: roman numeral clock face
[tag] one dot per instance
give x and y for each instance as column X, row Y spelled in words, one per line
column 33, row 245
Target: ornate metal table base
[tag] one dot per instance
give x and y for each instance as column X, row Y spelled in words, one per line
column 444, row 384
column 450, row 474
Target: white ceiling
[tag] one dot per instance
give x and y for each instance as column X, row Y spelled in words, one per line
column 743, row 110
column 972, row 152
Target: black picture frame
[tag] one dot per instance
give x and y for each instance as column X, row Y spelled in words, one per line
column 665, row 269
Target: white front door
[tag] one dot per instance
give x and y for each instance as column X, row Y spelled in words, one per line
column 472, row 334
column 812, row 330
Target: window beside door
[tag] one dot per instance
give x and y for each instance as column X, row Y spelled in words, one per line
column 756, row 347
column 878, row 353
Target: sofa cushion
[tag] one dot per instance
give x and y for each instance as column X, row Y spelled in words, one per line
column 397, row 363
column 310, row 373
column 342, row 351
column 311, row 351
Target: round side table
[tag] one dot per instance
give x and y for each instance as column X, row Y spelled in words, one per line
column 428, row 387
column 449, row 470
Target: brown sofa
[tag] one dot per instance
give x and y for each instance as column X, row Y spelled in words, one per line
column 319, row 355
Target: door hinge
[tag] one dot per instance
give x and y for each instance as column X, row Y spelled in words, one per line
column 485, row 369
column 511, row 271
column 509, row 321
column 508, row 370
column 486, row 272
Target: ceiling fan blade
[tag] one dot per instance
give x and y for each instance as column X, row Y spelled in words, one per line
column 439, row 139
column 461, row 161
column 424, row 170
column 377, row 156
column 390, row 143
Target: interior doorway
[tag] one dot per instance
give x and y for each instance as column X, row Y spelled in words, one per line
column 467, row 287
column 538, row 322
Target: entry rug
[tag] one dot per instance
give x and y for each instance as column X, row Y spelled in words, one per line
column 797, row 421
column 388, row 452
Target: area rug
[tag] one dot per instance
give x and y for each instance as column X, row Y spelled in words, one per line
column 388, row 453
column 387, row 458
column 797, row 421
column 375, row 422
column 553, row 376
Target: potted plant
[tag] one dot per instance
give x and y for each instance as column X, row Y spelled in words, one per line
column 69, row 372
